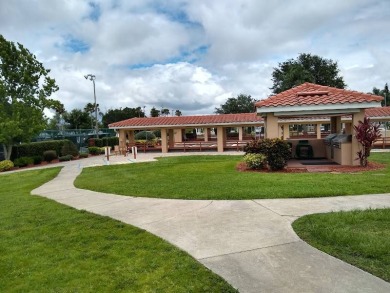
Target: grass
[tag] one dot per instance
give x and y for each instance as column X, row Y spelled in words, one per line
column 48, row 247
column 215, row 177
column 361, row 238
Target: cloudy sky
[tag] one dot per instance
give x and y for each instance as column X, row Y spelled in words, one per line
column 194, row 54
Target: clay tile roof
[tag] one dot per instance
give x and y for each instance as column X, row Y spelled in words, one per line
column 378, row 112
column 188, row 120
column 314, row 94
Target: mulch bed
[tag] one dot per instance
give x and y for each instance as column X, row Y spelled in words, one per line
column 241, row 167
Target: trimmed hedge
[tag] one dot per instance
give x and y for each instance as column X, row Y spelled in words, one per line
column 38, row 148
column 23, row 161
column 49, row 155
column 94, row 150
column 105, row 141
column 65, row 158
column 145, row 135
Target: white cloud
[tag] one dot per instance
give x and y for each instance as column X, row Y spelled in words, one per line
column 193, row 55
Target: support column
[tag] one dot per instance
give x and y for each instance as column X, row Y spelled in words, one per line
column 348, row 128
column 356, row 117
column 206, row 134
column 286, row 131
column 221, row 139
column 131, row 136
column 171, row 141
column 335, row 124
column 122, row 141
column 271, row 126
column 178, row 135
column 164, row 141
column 318, row 130
column 240, row 132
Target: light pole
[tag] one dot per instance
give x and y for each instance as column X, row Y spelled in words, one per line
column 93, row 77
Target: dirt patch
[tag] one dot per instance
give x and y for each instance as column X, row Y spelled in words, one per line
column 242, row 167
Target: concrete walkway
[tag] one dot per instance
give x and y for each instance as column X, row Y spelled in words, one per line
column 250, row 243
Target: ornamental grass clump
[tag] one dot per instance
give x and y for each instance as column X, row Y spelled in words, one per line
column 255, row 161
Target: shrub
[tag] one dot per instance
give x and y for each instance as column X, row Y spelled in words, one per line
column 6, row 165
column 255, row 161
column 49, row 155
column 65, row 158
column 23, row 161
column 145, row 135
column 366, row 134
column 69, row 148
column 157, row 133
column 37, row 160
column 277, row 151
column 94, row 150
column 37, row 148
column 83, row 155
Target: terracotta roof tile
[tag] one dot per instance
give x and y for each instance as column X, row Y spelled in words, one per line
column 188, row 120
column 314, row 94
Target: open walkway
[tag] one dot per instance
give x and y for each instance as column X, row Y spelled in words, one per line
column 250, row 243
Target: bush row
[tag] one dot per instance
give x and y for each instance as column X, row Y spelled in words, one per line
column 62, row 147
column 105, row 141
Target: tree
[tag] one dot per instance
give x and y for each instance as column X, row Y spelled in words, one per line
column 77, row 119
column 178, row 113
column 165, row 112
column 366, row 134
column 241, row 104
column 115, row 115
column 25, row 88
column 154, row 112
column 306, row 68
column 384, row 93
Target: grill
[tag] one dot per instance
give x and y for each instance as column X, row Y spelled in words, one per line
column 329, row 138
column 340, row 139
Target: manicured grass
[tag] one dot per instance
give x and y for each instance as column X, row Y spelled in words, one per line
column 361, row 238
column 215, row 177
column 48, row 247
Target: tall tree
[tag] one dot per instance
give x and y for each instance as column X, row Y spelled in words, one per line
column 178, row 113
column 115, row 115
column 77, row 119
column 165, row 112
column 384, row 93
column 25, row 88
column 241, row 104
column 154, row 112
column 306, row 68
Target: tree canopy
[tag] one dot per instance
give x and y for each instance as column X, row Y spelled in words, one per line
column 25, row 86
column 384, row 93
column 306, row 68
column 154, row 112
column 115, row 115
column 241, row 104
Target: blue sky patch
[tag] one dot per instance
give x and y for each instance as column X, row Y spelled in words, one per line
column 75, row 45
column 95, row 11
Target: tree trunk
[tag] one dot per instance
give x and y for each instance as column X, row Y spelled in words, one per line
column 7, row 151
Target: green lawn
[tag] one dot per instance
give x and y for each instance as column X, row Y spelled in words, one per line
column 48, row 247
column 361, row 238
column 215, row 177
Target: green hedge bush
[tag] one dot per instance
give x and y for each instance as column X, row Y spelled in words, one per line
column 38, row 148
column 69, row 148
column 145, row 135
column 49, row 155
column 6, row 165
column 37, row 159
column 83, row 155
column 105, row 141
column 277, row 151
column 94, row 150
column 65, row 158
column 23, row 161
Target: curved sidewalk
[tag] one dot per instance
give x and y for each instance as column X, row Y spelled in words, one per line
column 250, row 243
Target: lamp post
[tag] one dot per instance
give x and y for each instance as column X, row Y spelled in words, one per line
column 92, row 78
